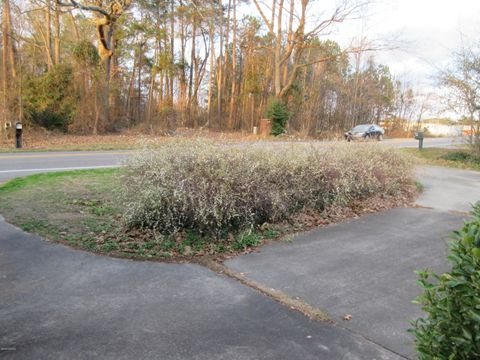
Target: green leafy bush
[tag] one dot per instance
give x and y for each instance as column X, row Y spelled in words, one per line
column 85, row 53
column 50, row 99
column 214, row 189
column 279, row 115
column 451, row 329
column 461, row 156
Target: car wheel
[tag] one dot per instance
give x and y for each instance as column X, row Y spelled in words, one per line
column 380, row 137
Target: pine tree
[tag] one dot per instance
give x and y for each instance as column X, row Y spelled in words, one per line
column 279, row 114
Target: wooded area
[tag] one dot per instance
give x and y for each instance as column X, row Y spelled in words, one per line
column 152, row 65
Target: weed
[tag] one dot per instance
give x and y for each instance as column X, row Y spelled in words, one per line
column 148, row 245
column 246, row 240
column 110, row 246
column 288, row 238
column 271, row 234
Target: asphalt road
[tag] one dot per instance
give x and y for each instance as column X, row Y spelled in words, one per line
column 25, row 163
column 428, row 142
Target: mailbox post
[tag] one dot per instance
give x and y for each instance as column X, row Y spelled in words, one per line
column 419, row 137
column 18, row 135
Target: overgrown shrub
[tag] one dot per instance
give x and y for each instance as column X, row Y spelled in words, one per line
column 451, row 329
column 279, row 114
column 215, row 189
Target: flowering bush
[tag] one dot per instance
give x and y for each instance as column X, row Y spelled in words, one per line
column 215, row 189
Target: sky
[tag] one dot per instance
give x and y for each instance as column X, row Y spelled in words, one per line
column 424, row 33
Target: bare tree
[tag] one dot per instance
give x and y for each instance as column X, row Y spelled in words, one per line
column 289, row 59
column 462, row 81
column 107, row 15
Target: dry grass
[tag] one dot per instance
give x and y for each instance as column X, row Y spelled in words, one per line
column 35, row 141
column 40, row 140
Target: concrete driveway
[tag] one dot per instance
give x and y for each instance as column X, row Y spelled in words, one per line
column 60, row 303
column 366, row 267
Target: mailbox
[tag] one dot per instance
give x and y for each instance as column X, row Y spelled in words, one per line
column 419, row 137
column 18, row 135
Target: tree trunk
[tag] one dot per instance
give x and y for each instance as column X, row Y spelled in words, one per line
column 5, row 74
column 48, row 34
column 56, row 38
column 192, row 64
column 233, row 92
column 106, row 87
column 8, row 63
column 139, row 83
column 172, row 49
column 278, row 47
column 183, row 78
column 220, row 70
column 212, row 58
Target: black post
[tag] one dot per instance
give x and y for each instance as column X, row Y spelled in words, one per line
column 419, row 136
column 18, row 135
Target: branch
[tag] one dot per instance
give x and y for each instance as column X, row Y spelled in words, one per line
column 77, row 5
column 270, row 26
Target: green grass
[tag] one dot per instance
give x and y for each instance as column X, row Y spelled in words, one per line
column 455, row 158
column 46, row 179
column 72, row 206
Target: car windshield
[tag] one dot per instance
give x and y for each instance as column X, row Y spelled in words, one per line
column 361, row 128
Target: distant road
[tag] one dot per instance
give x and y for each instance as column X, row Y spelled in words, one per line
column 427, row 142
column 25, row 163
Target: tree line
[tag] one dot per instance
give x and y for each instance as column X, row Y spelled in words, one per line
column 156, row 65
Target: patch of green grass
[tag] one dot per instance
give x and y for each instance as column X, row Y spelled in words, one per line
column 75, row 207
column 31, row 224
column 94, row 206
column 455, row 158
column 246, row 240
column 48, row 178
column 271, row 234
column 419, row 186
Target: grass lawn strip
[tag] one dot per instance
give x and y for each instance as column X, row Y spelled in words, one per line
column 454, row 158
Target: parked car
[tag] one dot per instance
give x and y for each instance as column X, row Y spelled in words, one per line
column 365, row 132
